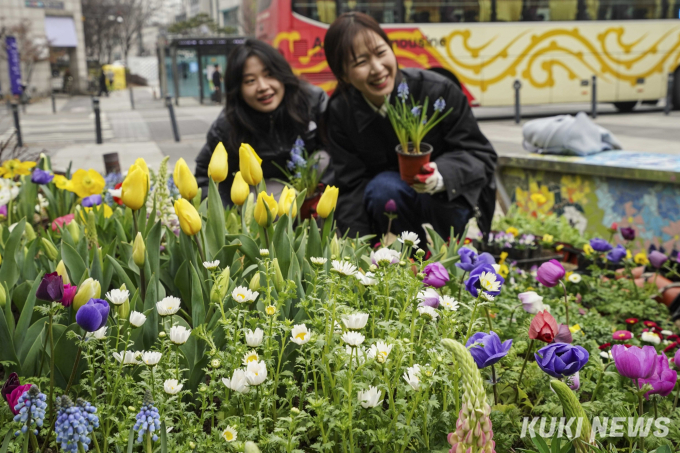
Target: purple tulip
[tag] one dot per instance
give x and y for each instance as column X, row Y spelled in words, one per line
column 40, row 176
column 676, row 358
column 634, row 362
column 628, row 233
column 69, row 294
column 490, row 351
column 92, row 201
column 391, row 206
column 600, row 245
column 10, row 384
column 617, row 254
column 468, row 258
column 657, row 258
column 473, row 284
column 429, row 298
column 550, row 273
column 3, row 210
column 662, row 380
column 436, row 275
column 561, row 359
column 51, row 288
column 563, row 334
column 93, row 315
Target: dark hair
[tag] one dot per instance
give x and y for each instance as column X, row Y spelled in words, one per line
column 339, row 42
column 291, row 117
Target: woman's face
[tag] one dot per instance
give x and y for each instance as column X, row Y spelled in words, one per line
column 374, row 69
column 259, row 89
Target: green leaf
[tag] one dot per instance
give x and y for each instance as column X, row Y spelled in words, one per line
column 7, row 353
column 131, row 440
column 65, row 351
column 30, row 335
column 26, row 314
column 540, row 444
column 151, row 325
column 183, row 284
column 197, row 299
column 248, row 247
column 5, row 443
column 327, row 227
column 73, row 261
column 153, row 247
column 214, row 227
column 9, row 271
column 29, row 269
column 282, row 244
column 122, row 274
column 96, row 268
column 164, row 434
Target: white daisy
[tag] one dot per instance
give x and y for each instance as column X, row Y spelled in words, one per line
column 210, row 265
column 370, row 398
column 384, row 257
column 151, row 358
column 250, row 357
column 344, row 267
column 118, row 296
column 230, row 434
column 366, row 279
column 379, row 351
column 575, row 278
column 409, row 239
column 356, row 321
column 168, row 306
column 428, row 311
column 264, row 253
column 449, row 303
column 172, row 386
column 179, row 334
column 243, row 294
column 137, row 319
column 300, row 334
column 488, row 282
column 353, row 339
column 318, row 261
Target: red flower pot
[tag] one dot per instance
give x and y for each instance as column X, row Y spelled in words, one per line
column 308, row 208
column 410, row 164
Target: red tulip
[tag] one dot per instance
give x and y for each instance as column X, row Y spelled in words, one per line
column 543, row 327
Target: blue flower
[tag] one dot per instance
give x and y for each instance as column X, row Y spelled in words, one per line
column 91, row 201
column 485, row 279
column 561, row 359
column 148, row 419
column 487, row 349
column 617, row 254
column 600, row 245
column 290, row 165
column 439, row 105
column 93, row 315
column 74, row 423
column 415, row 111
column 299, row 143
column 40, row 176
column 298, row 160
column 298, row 175
column 32, row 402
column 402, row 91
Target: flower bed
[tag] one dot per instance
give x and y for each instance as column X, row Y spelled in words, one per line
column 167, row 323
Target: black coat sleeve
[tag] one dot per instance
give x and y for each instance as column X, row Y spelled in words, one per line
column 215, row 135
column 469, row 162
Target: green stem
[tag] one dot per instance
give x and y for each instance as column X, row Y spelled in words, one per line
column 566, row 302
column 526, row 357
column 408, row 420
column 599, row 381
column 73, row 371
column 472, row 320
column 495, row 389
column 200, row 247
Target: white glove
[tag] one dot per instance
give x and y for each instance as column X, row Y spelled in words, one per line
column 430, row 181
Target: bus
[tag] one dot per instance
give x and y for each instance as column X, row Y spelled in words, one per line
column 552, row 47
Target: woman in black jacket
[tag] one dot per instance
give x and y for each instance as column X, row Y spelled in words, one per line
column 267, row 107
column 361, row 141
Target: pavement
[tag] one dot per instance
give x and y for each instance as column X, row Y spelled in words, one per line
column 68, row 135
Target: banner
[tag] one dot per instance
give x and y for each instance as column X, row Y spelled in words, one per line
column 14, row 65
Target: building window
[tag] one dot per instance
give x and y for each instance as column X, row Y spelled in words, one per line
column 230, row 17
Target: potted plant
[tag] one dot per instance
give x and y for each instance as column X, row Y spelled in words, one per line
column 411, row 124
column 303, row 173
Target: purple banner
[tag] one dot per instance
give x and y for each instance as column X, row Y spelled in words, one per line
column 14, row 65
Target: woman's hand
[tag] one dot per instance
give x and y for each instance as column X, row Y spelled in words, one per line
column 431, row 181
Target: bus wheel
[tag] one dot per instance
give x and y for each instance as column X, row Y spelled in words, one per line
column 627, row 106
column 676, row 89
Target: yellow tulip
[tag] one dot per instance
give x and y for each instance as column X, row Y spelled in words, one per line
column 139, row 250
column 141, row 163
column 218, row 169
column 184, row 180
column 11, row 168
column 62, row 183
column 135, row 186
column 249, row 163
column 189, row 220
column 61, row 270
column 87, row 182
column 327, row 202
column 260, row 212
column 89, row 289
column 239, row 190
column 286, row 200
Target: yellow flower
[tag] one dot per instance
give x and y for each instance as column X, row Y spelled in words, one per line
column 270, row 310
column 184, row 180
column 538, row 198
column 89, row 289
column 641, row 259
column 588, row 250
column 327, row 201
column 189, row 220
column 62, row 183
column 139, row 250
column 11, row 168
column 575, row 328
column 628, row 255
column 219, row 164
column 87, row 182
column 141, row 163
column 286, row 200
column 249, row 163
column 504, row 256
column 239, row 190
column 134, row 188
column 108, row 212
column 548, row 238
column 504, row 270
column 263, row 218
column 559, row 247
column 61, row 270
column 512, row 230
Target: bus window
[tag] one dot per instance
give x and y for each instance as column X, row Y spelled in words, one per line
column 384, row 11
column 437, row 11
column 535, row 10
column 321, row 10
column 629, row 9
column 508, row 10
column 563, row 9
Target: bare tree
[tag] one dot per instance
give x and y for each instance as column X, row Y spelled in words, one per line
column 33, row 48
column 248, row 16
column 134, row 15
column 99, row 27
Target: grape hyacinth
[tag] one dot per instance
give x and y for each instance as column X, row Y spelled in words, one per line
column 74, row 423
column 165, row 210
column 31, row 403
column 148, row 419
column 402, row 91
column 439, row 105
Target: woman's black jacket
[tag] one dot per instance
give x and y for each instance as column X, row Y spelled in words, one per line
column 362, row 144
column 271, row 143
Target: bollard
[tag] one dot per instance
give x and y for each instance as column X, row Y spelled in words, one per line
column 669, row 94
column 111, row 163
column 593, row 102
column 517, row 85
column 97, row 120
column 17, row 126
column 173, row 121
column 54, row 104
column 132, row 99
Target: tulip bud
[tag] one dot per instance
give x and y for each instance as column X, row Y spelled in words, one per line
column 373, row 268
column 185, row 180
column 134, row 188
column 61, row 270
column 255, row 282
column 239, row 190
column 139, row 250
column 29, row 232
column 141, row 163
column 220, row 287
column 189, row 220
column 74, row 231
column 250, row 164
column 250, row 209
column 50, row 249
column 123, row 309
column 335, row 246
column 219, row 164
column 3, row 296
column 286, row 200
column 251, row 447
column 265, row 215
column 89, row 289
column 215, row 363
column 278, row 277
column 420, row 253
column 327, row 202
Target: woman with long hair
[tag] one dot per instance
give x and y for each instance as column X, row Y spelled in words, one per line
column 456, row 185
column 267, row 107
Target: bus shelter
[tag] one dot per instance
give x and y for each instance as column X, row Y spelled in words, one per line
column 190, row 62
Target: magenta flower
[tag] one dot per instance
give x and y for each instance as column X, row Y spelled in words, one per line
column 622, row 335
column 436, row 275
column 550, row 273
column 51, row 288
column 61, row 222
column 12, row 391
column 69, row 294
column 628, row 233
column 657, row 258
column 634, row 362
column 3, row 210
column 93, row 315
column 662, row 380
column 677, row 358
column 391, row 206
